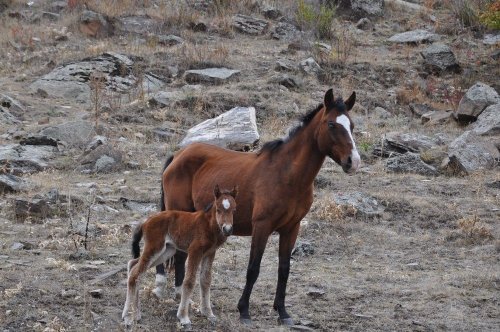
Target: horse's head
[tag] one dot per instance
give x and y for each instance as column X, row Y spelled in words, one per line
column 225, row 205
column 334, row 134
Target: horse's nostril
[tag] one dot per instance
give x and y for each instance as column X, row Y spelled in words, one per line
column 349, row 162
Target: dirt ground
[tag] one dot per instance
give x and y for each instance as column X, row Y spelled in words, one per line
column 429, row 262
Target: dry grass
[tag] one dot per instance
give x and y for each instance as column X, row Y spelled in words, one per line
column 195, row 56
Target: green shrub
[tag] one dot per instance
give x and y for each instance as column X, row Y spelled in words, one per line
column 491, row 16
column 320, row 21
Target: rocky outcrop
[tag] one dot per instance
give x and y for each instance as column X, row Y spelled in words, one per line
column 474, row 102
column 236, row 129
column 410, row 163
column 362, row 204
column 249, row 25
column 210, row 75
column 414, row 37
column 19, row 159
column 488, row 122
column 439, row 58
column 72, row 134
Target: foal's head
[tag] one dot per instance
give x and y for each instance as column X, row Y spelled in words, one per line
column 225, row 205
column 334, row 134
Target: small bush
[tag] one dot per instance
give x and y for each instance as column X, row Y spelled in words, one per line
column 473, row 230
column 491, row 17
column 320, row 21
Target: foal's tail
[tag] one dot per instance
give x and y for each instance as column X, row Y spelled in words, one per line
column 136, row 238
column 162, row 203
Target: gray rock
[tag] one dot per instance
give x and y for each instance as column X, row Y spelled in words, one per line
column 488, row 122
column 380, row 113
column 7, row 118
column 310, row 66
column 17, row 246
column 102, row 159
column 289, row 81
column 139, row 206
column 138, row 25
column 97, row 293
column 74, row 133
column 96, row 142
column 210, row 75
column 12, row 105
column 315, row 292
column 363, row 205
column 284, row 65
column 410, row 142
column 170, row 40
column 303, row 248
column 249, row 25
column 409, row 163
column 439, row 57
column 271, row 12
column 114, row 72
column 10, row 183
column 436, row 117
column 35, row 210
column 362, row 8
column 164, row 98
column 18, row 159
column 235, row 129
column 420, row 109
column 36, row 139
column 285, row 31
column 104, row 164
column 469, row 153
column 415, row 36
column 364, row 24
column 474, row 102
column 491, row 39
column 96, row 25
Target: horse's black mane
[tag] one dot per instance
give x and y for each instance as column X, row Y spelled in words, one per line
column 274, row 145
column 208, row 207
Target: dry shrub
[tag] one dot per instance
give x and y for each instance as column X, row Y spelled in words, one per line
column 473, row 230
column 411, row 94
column 467, row 12
column 202, row 56
column 327, row 210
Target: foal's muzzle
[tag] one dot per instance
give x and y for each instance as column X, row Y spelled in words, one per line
column 227, row 230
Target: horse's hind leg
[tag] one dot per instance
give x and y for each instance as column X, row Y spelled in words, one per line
column 180, row 270
column 195, row 256
column 287, row 241
column 205, row 281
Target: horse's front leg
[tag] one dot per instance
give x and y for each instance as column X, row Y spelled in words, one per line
column 180, row 267
column 259, row 241
column 195, row 256
column 287, row 241
column 205, row 282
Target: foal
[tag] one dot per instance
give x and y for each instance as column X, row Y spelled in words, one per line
column 197, row 233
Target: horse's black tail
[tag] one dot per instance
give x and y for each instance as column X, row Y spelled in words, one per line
column 136, row 238
column 162, row 203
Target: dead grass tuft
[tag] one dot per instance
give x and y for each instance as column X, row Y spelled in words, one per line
column 474, row 230
column 327, row 210
column 202, row 56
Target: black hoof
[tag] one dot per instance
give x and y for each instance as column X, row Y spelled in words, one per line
column 285, row 321
column 246, row 321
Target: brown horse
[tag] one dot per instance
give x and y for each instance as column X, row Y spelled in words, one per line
column 276, row 186
column 197, row 233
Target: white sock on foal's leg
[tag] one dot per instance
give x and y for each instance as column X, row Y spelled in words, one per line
column 160, row 282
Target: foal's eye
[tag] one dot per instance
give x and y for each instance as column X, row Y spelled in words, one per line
column 331, row 125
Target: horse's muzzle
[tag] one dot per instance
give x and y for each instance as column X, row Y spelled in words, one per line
column 227, row 230
column 352, row 163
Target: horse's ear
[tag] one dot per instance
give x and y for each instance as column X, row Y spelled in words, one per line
column 217, row 191
column 234, row 192
column 349, row 103
column 329, row 100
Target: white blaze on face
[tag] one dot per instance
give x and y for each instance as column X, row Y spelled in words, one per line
column 344, row 121
column 226, row 204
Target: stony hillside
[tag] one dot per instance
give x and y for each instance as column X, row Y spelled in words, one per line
column 94, row 95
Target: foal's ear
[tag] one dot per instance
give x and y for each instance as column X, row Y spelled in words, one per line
column 234, row 192
column 217, row 191
column 329, row 100
column 349, row 103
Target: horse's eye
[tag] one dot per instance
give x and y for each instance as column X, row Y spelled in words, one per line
column 331, row 125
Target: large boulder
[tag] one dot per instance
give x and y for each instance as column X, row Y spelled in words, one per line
column 73, row 134
column 409, row 163
column 469, row 153
column 18, row 159
column 414, row 37
column 362, row 8
column 236, row 129
column 11, row 183
column 488, row 122
column 210, row 75
column 112, row 72
column 439, row 57
column 249, row 25
column 96, row 25
column 474, row 102
column 410, row 142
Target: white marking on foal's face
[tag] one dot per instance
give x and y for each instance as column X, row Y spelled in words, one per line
column 344, row 121
column 226, row 204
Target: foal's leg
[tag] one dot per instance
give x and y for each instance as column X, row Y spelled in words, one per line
column 195, row 256
column 287, row 241
column 259, row 241
column 205, row 281
column 160, row 281
column 135, row 269
column 180, row 267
